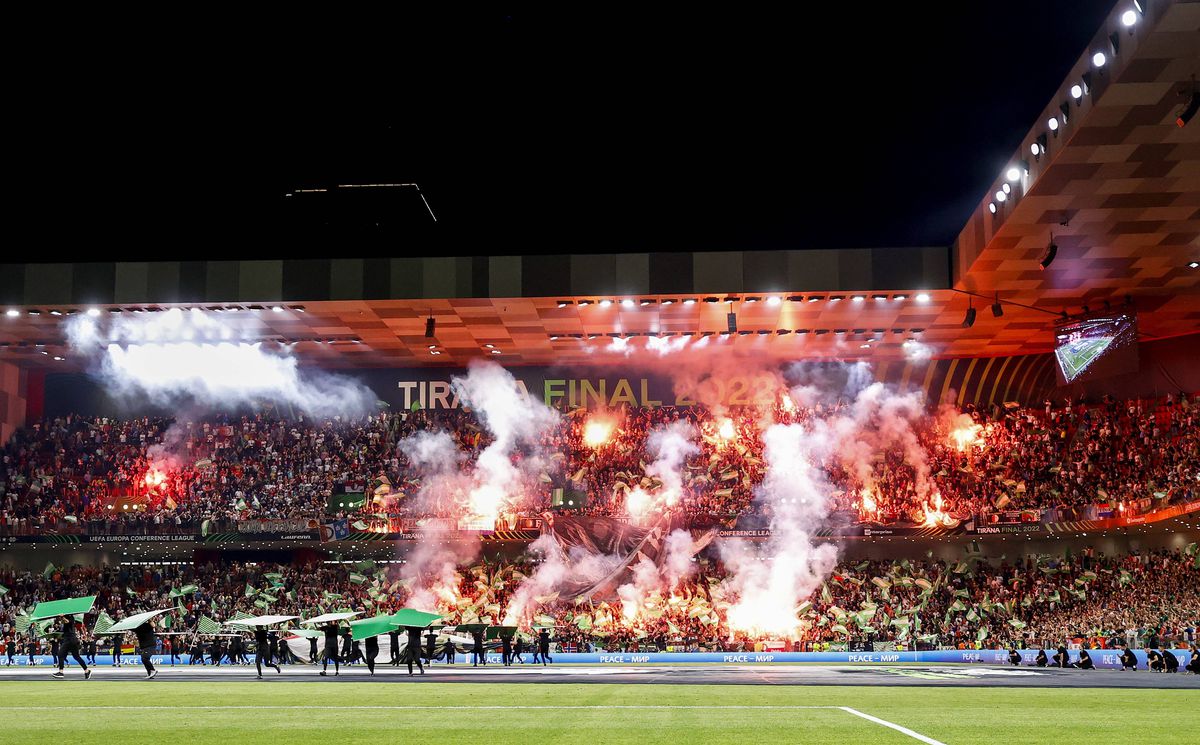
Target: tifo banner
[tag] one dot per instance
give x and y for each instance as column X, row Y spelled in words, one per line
column 604, row 536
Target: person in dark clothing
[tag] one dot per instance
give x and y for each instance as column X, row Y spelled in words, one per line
column 173, row 645
column 1154, row 660
column 273, row 646
column 68, row 644
column 1062, row 659
column 372, row 651
column 347, row 647
column 196, row 653
column 1128, row 660
column 218, row 651
column 116, row 649
column 544, row 646
column 145, row 646
column 506, row 650
column 1014, row 657
column 1085, row 660
column 1041, row 660
column 518, row 649
column 312, row 650
column 331, row 648
column 430, row 646
column 413, row 649
column 91, row 651
column 448, row 651
column 237, row 647
column 1170, row 660
column 477, row 655
column 394, row 651
column 1193, row 665
column 262, row 650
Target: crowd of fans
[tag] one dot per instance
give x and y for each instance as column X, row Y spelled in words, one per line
column 1144, row 600
column 104, row 474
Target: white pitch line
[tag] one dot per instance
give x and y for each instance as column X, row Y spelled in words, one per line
column 892, row 725
column 402, row 708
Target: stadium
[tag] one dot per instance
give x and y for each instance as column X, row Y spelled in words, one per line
column 409, row 479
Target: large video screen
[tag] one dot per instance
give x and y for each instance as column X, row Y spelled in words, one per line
column 1096, row 347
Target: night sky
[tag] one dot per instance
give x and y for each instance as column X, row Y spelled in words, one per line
column 595, row 129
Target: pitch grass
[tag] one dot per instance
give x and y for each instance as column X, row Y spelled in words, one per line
column 955, row 716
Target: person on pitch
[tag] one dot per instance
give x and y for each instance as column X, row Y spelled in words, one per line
column 371, row 651
column 1170, row 661
column 1061, row 658
column 506, row 650
column 331, row 647
column 1041, row 660
column 262, row 650
column 448, row 651
column 518, row 649
column 1154, row 661
column 477, row 655
column 116, row 649
column 413, row 649
column 145, row 647
column 237, row 653
column 544, row 646
column 394, row 651
column 430, row 646
column 1085, row 660
column 273, row 645
column 1193, row 665
column 1128, row 660
column 173, row 644
column 196, row 652
column 347, row 647
column 91, row 650
column 1014, row 658
column 68, row 644
column 216, row 651
column 312, row 650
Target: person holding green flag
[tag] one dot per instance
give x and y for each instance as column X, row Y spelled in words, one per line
column 331, row 647
column 68, row 644
column 146, row 643
column 262, row 650
column 412, row 652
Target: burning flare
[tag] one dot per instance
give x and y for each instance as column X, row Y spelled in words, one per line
column 597, row 432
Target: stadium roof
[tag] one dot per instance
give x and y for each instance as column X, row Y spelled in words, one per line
column 1115, row 187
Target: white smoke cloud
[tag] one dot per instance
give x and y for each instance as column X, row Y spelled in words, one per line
column 767, row 592
column 516, row 422
column 670, row 447
column 174, row 359
column 679, row 551
column 556, row 570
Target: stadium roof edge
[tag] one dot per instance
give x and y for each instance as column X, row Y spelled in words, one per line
column 516, row 276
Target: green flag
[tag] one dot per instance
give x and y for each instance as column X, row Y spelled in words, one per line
column 103, row 623
column 250, row 591
column 207, row 626
column 48, row 572
column 416, row 406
